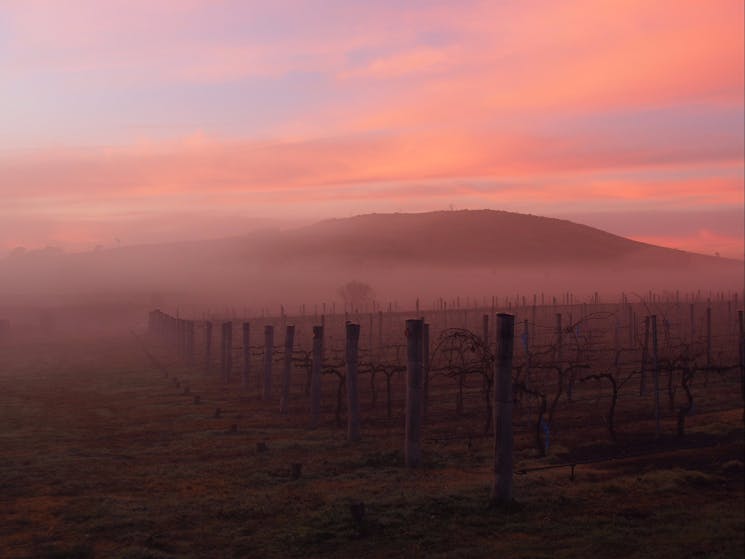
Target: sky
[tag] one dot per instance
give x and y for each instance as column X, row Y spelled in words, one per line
column 133, row 121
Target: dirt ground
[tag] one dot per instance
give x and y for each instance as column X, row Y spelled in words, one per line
column 104, row 454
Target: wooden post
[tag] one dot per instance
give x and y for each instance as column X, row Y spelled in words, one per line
column 708, row 336
column 380, row 335
column 208, row 347
column 227, row 350
column 528, row 356
column 246, row 353
column 485, row 330
column 425, row 360
column 268, row 356
column 179, row 338
column 190, row 341
column 741, row 348
column 656, row 370
column 315, row 377
column 693, row 324
column 284, row 401
column 617, row 341
column 414, row 366
column 184, row 339
column 501, row 492
column 353, row 398
column 558, row 349
column 645, row 357
column 175, row 331
column 222, row 351
column 532, row 319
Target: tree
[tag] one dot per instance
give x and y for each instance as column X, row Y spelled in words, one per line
column 356, row 294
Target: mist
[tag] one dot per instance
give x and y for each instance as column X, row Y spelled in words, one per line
column 473, row 256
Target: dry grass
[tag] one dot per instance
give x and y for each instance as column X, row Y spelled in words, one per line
column 105, row 457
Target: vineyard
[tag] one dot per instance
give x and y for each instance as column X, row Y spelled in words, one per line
column 581, row 372
column 520, row 429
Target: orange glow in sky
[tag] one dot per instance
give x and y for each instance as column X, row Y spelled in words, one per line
column 147, row 121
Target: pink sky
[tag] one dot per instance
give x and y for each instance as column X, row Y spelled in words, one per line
column 146, row 121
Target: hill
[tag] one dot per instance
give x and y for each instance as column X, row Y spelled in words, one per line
column 402, row 256
column 472, row 238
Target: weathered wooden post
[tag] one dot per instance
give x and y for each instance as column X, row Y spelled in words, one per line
column 175, row 335
column 184, row 339
column 222, row 351
column 741, row 348
column 532, row 318
column 645, row 358
column 558, row 348
column 227, row 350
column 287, row 371
column 179, row 338
column 268, row 355
column 693, row 324
column 708, row 336
column 162, row 327
column 315, row 377
column 528, row 356
column 174, row 331
column 617, row 341
column 425, row 361
column 414, row 366
column 501, row 492
column 656, row 370
column 246, row 353
column 190, row 341
column 379, row 353
column 353, row 397
column 208, row 347
column 485, row 339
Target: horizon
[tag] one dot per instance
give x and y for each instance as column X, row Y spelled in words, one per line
column 148, row 122
column 286, row 226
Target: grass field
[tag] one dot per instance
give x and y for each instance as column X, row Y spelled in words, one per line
column 103, row 455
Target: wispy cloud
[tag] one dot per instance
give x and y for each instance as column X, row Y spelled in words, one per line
column 295, row 107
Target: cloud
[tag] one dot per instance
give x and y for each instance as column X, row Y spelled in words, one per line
column 413, row 62
column 292, row 107
column 199, row 164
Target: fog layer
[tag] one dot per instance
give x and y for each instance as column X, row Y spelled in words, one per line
column 402, row 257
